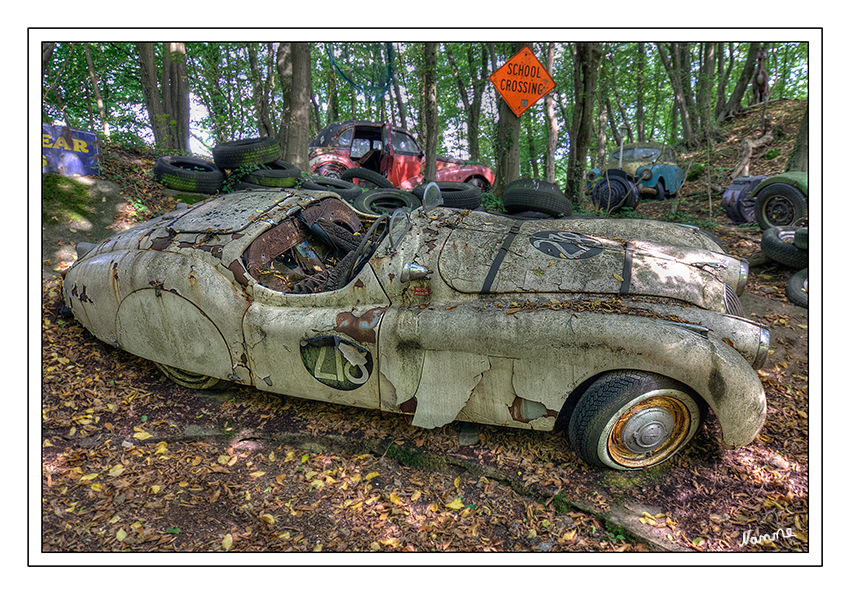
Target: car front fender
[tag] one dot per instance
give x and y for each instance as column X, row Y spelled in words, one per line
column 552, row 352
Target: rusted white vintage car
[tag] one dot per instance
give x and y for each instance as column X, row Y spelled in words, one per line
column 629, row 328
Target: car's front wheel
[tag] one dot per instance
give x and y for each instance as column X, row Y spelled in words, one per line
column 630, row 420
column 195, row 381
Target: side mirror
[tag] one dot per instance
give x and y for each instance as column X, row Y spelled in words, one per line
column 432, row 197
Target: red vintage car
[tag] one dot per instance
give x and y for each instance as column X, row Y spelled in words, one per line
column 387, row 150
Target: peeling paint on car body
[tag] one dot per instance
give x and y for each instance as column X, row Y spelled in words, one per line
column 566, row 300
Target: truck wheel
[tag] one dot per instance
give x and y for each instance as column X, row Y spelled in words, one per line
column 630, row 420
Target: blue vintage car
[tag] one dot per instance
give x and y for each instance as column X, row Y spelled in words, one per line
column 635, row 170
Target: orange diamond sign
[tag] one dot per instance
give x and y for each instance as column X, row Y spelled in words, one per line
column 522, row 80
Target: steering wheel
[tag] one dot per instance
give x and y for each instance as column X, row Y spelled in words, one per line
column 360, row 254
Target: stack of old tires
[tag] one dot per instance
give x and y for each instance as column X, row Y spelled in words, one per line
column 252, row 163
column 789, row 246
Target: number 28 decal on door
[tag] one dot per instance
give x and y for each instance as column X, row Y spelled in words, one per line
column 336, row 362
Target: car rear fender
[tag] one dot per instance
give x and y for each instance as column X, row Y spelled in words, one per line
column 162, row 306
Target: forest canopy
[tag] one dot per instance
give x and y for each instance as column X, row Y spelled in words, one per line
column 191, row 96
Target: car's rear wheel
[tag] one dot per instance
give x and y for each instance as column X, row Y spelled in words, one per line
column 191, row 380
column 630, row 420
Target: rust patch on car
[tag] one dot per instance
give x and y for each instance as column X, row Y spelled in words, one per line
column 408, row 406
column 525, row 411
column 359, row 329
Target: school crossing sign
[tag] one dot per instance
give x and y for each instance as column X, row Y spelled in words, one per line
column 522, row 80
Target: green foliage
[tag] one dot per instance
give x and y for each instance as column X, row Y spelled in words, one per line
column 696, row 171
column 63, row 197
column 412, row 457
column 772, row 154
column 227, row 79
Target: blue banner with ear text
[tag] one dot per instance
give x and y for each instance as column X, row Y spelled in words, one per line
column 69, row 152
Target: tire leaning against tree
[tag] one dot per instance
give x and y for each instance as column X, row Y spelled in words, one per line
column 246, row 152
column 189, row 174
column 367, row 175
column 777, row 243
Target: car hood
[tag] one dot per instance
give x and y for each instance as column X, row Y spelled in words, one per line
column 501, row 255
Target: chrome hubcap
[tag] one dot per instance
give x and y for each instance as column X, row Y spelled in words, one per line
column 647, row 430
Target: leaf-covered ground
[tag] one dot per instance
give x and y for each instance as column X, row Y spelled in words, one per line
column 132, row 462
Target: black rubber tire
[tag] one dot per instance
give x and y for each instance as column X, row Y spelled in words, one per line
column 593, row 424
column 346, row 190
column 610, row 195
column 248, row 152
column 192, row 380
column 536, row 195
column 660, row 192
column 455, row 194
column 367, row 175
column 797, row 289
column 377, row 202
column 282, row 175
column 801, row 238
column 777, row 243
column 780, row 205
column 189, row 174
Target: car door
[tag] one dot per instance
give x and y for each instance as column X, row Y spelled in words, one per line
column 320, row 346
column 403, row 155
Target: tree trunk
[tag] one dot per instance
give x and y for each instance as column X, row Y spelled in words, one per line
column 587, row 60
column 675, row 68
column 640, row 64
column 549, row 105
column 429, row 112
column 733, row 106
column 507, row 141
column 799, row 159
column 284, row 74
column 101, row 107
column 153, row 97
column 175, row 93
column 298, row 129
column 261, row 99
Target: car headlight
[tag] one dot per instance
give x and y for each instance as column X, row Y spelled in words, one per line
column 646, row 174
column 591, row 176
